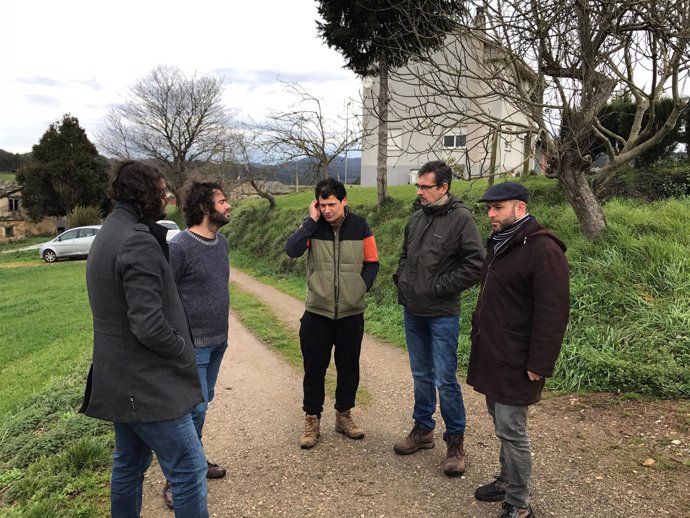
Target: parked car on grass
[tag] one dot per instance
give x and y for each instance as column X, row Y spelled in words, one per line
column 172, row 227
column 75, row 242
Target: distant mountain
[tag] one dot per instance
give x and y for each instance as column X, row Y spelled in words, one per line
column 306, row 170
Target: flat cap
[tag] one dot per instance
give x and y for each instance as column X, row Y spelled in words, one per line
column 506, row 191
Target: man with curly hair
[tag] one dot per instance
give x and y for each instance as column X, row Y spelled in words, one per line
column 143, row 377
column 199, row 258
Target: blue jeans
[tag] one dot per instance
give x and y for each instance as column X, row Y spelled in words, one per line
column 208, row 363
column 510, row 423
column 181, row 459
column 432, row 344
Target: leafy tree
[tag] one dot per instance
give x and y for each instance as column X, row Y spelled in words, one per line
column 11, row 161
column 65, row 171
column 375, row 36
column 179, row 121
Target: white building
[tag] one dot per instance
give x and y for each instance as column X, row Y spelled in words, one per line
column 448, row 110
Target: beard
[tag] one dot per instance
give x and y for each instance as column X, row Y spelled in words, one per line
column 218, row 218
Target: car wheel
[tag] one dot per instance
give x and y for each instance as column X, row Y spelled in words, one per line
column 49, row 256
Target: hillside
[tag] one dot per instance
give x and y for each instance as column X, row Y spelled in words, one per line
column 630, row 290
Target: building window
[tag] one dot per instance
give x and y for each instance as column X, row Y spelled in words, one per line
column 15, row 204
column 454, row 141
column 9, row 231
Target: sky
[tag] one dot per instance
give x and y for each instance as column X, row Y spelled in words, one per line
column 79, row 57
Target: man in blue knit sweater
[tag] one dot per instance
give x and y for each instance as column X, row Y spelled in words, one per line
column 199, row 259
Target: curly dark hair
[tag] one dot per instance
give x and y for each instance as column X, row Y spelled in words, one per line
column 138, row 183
column 198, row 196
column 330, row 187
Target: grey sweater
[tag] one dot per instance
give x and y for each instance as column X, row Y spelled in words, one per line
column 201, row 269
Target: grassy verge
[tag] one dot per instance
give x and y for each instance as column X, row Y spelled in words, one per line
column 630, row 289
column 54, row 463
column 263, row 323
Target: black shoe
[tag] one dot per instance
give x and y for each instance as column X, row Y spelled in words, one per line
column 167, row 495
column 510, row 511
column 492, row 492
column 214, row 471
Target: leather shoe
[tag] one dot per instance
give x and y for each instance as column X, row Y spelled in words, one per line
column 167, row 495
column 215, row 471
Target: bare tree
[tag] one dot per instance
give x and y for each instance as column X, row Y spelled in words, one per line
column 304, row 131
column 555, row 64
column 177, row 120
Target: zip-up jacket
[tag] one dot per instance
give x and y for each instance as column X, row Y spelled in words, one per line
column 441, row 257
column 341, row 266
column 521, row 317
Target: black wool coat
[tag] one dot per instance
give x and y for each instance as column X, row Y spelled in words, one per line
column 143, row 367
column 521, row 316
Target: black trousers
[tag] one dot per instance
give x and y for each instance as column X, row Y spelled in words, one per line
column 318, row 335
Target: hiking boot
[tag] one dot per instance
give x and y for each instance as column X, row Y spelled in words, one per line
column 454, row 465
column 510, row 511
column 345, row 425
column 492, row 492
column 167, row 495
column 418, row 439
column 311, row 433
column 214, row 470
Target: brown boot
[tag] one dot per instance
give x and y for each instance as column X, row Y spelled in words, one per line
column 418, row 439
column 454, row 465
column 167, row 495
column 311, row 433
column 345, row 425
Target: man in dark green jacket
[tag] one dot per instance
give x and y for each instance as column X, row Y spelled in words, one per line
column 441, row 257
column 341, row 267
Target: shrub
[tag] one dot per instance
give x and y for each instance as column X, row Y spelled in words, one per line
column 81, row 216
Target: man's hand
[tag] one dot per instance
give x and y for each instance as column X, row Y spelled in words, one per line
column 314, row 210
column 533, row 377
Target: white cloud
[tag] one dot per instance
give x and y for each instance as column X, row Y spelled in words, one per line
column 79, row 56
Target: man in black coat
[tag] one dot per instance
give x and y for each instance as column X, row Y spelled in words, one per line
column 517, row 332
column 143, row 376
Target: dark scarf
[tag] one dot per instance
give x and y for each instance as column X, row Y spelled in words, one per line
column 505, row 236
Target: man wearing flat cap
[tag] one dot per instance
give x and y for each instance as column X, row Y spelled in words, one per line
column 517, row 332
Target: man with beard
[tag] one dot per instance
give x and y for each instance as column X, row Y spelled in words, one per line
column 199, row 258
column 517, row 332
column 142, row 377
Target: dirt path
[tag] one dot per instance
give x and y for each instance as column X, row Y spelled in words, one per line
column 588, row 450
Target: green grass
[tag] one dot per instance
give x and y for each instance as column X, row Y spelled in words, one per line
column 54, row 463
column 45, row 329
column 7, row 177
column 630, row 289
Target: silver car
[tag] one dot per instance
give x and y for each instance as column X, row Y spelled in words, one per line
column 173, row 228
column 75, row 242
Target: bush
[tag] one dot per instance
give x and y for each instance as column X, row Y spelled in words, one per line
column 81, row 216
column 662, row 180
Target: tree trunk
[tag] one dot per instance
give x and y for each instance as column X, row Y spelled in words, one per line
column 586, row 206
column 382, row 154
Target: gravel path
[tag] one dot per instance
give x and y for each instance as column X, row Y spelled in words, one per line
column 588, row 451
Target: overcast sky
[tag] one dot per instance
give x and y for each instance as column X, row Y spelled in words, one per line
column 79, row 56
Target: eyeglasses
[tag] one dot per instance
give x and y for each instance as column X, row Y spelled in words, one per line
column 425, row 187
